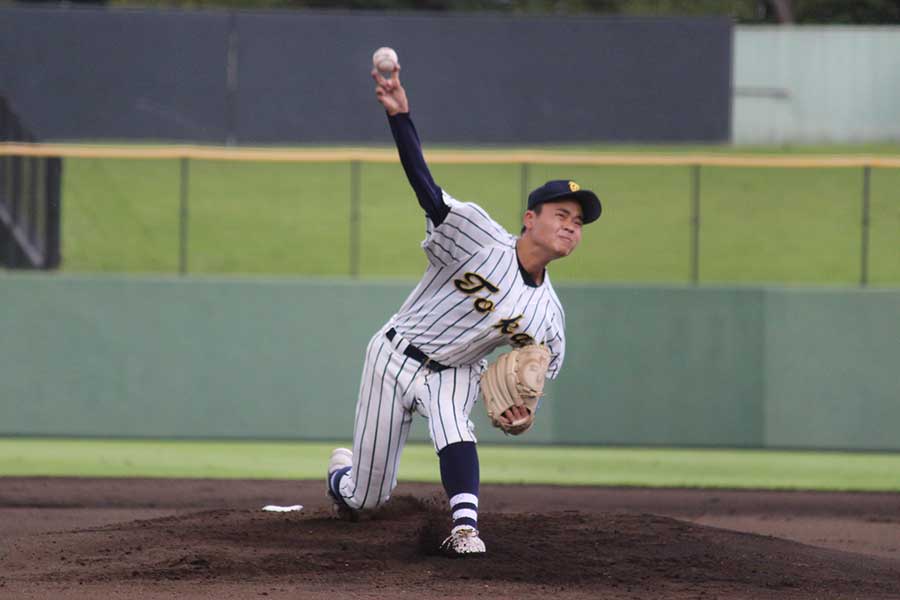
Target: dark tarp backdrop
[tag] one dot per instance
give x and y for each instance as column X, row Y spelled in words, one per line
column 302, row 77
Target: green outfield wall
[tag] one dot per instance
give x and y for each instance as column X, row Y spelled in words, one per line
column 746, row 367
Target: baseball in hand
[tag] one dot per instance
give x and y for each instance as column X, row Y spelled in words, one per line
column 384, row 60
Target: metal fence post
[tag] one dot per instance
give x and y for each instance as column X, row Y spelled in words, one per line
column 183, row 220
column 355, row 168
column 31, row 206
column 523, row 184
column 52, row 251
column 14, row 201
column 695, row 224
column 864, row 251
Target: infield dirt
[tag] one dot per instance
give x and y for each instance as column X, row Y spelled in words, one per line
column 141, row 538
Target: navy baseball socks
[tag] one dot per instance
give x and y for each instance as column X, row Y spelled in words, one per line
column 460, row 476
column 339, row 465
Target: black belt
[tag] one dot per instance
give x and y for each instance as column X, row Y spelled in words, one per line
column 416, row 354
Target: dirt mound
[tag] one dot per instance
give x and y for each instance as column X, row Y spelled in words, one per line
column 615, row 553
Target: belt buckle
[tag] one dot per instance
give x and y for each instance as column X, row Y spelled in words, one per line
column 427, row 362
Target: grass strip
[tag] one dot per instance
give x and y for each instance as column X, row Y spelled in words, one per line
column 643, row 467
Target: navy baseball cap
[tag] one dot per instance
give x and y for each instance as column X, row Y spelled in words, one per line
column 565, row 189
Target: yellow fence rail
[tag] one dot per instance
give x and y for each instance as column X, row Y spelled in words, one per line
column 387, row 155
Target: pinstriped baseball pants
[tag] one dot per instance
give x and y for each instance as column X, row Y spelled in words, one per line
column 393, row 387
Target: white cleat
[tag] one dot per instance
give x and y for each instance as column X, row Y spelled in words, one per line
column 340, row 458
column 462, row 543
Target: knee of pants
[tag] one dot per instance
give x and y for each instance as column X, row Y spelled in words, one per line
column 370, row 502
column 357, row 498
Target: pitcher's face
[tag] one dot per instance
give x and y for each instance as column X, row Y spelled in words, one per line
column 557, row 228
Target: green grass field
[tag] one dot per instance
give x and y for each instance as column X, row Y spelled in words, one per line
column 795, row 226
column 650, row 467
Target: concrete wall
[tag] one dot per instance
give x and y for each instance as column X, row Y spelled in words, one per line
column 745, row 367
column 816, row 84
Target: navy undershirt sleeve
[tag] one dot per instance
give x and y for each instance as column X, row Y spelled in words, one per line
column 410, row 149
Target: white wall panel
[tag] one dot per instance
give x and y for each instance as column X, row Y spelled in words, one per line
column 816, row 84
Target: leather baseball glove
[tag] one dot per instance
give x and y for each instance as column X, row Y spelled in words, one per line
column 515, row 379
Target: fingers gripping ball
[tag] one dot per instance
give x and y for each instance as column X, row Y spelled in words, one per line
column 385, row 60
column 515, row 379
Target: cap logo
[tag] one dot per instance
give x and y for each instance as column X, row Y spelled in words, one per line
column 574, row 187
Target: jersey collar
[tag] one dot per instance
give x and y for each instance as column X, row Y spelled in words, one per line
column 526, row 276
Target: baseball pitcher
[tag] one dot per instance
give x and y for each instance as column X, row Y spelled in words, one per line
column 483, row 288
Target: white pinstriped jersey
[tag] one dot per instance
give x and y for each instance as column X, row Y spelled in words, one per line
column 473, row 297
